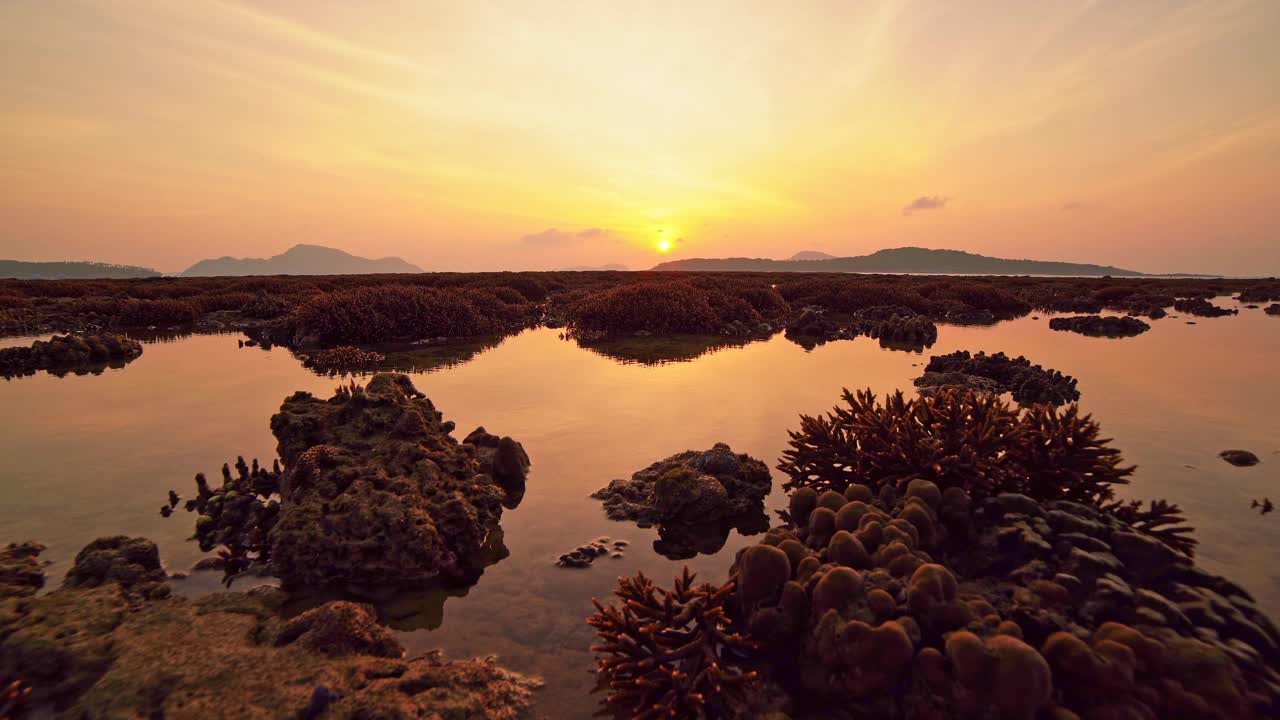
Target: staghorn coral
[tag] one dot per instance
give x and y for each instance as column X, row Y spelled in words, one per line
column 375, row 493
column 1101, row 326
column 1029, row 384
column 69, row 353
column 670, row 653
column 975, row 442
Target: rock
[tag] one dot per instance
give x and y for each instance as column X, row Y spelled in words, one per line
column 128, row 561
column 1239, row 458
column 21, row 574
column 690, row 487
column 70, row 353
column 93, row 648
column 1201, row 307
column 1029, row 384
column 377, row 494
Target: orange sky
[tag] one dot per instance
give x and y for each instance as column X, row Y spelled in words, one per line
column 506, row 135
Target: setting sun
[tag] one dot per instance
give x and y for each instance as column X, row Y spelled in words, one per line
column 664, row 246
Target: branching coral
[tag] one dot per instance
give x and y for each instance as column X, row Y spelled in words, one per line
column 672, row 653
column 972, row 441
column 343, row 357
column 237, row 517
column 1163, row 520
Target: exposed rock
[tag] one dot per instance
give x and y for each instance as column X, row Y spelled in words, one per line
column 689, row 487
column 1272, row 309
column 21, row 574
column 1201, row 307
column 1239, row 458
column 69, row 353
column 1101, row 326
column 376, row 494
column 896, row 327
column 101, row 650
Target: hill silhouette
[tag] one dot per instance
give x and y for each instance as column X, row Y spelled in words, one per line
column 903, row 260
column 301, row 260
column 74, row 270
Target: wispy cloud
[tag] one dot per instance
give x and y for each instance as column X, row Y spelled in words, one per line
column 925, row 202
column 556, row 238
column 1073, row 206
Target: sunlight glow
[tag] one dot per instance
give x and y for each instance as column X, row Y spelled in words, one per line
column 664, row 246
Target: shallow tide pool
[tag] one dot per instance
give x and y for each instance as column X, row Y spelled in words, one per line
column 93, row 455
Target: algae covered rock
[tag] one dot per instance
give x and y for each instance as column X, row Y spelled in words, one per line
column 375, row 495
column 70, row 353
column 98, row 649
column 691, row 486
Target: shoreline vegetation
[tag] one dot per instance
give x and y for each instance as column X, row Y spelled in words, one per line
column 943, row 555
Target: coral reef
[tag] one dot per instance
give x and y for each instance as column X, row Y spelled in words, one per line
column 375, row 493
column 342, row 358
column 98, row 646
column 896, row 327
column 689, row 487
column 1239, row 458
column 1101, row 326
column 69, row 353
column 905, row 597
column 1029, row 384
column 677, row 307
column 1201, row 307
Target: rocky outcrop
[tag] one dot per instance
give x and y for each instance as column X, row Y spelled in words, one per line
column 1028, row 383
column 689, row 487
column 896, row 328
column 1101, row 326
column 1272, row 309
column 97, row 647
column 376, row 494
column 62, row 354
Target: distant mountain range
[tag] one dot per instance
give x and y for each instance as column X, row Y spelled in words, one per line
column 901, row 260
column 811, row 255
column 300, row 260
column 71, row 270
column 595, row 268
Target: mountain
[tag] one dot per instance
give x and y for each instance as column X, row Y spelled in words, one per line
column 300, row 260
column 70, row 270
column 811, row 255
column 595, row 268
column 905, row 260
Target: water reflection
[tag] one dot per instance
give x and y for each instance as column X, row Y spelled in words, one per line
column 647, row 350
column 681, row 541
column 89, row 456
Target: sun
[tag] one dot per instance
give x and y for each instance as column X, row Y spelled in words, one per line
column 664, row 245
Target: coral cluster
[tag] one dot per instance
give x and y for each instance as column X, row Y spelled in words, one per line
column 680, row 306
column 375, row 493
column 343, row 358
column 691, row 487
column 1029, row 384
column 1101, row 326
column 1201, row 307
column 69, row 353
column 103, row 645
column 1272, row 309
column 895, row 596
column 974, row 442
column 896, row 327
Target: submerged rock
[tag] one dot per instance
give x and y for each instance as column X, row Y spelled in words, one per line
column 690, row 487
column 69, row 353
column 102, row 649
column 1239, row 458
column 1101, row 326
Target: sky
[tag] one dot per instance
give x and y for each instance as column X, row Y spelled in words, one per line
column 542, row 135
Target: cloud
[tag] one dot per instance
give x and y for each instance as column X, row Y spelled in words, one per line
column 926, row 202
column 1068, row 207
column 556, row 238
